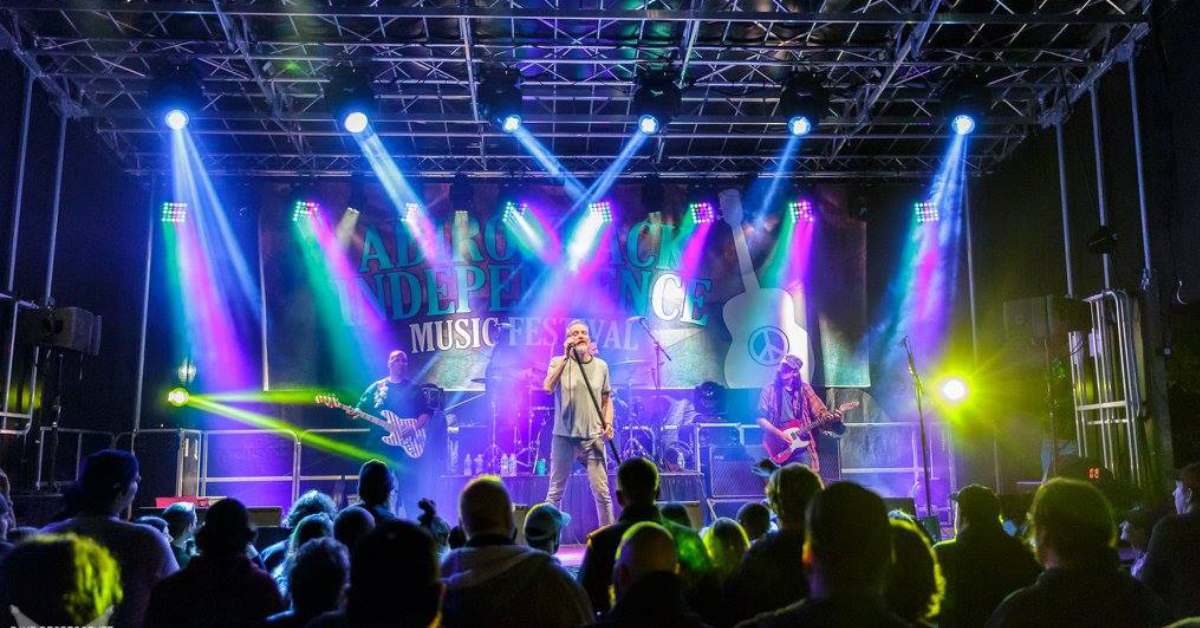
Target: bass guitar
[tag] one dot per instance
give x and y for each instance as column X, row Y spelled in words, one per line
column 401, row 432
column 780, row 452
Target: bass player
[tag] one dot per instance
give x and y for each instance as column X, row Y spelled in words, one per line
column 789, row 402
column 416, row 477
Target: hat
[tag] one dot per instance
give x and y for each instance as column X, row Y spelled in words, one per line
column 978, row 502
column 544, row 522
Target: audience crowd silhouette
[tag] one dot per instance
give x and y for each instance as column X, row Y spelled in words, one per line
column 811, row 555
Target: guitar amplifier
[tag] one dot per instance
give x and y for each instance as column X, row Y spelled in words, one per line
column 730, row 472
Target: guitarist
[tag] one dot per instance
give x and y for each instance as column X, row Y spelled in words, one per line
column 789, row 398
column 579, row 432
column 416, row 478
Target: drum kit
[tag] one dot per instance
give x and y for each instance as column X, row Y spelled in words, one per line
column 648, row 425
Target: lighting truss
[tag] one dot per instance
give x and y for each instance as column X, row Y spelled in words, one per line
column 265, row 68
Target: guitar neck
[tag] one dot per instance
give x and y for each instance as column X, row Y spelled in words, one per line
column 745, row 262
column 352, row 411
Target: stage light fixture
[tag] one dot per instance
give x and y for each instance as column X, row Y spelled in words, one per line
column 656, row 99
column 186, row 372
column 350, row 97
column 355, row 122
column 953, row 390
column 648, row 124
column 802, row 210
column 803, row 101
column 511, row 123
column 799, row 126
column 174, row 92
column 965, row 102
column 514, row 211
column 963, row 124
column 702, row 212
column 926, row 211
column 600, row 211
column 178, row 396
column 174, row 212
column 304, row 210
column 499, row 95
column 176, row 119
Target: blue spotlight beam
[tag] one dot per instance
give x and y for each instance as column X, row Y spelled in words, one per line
column 781, row 167
column 550, row 163
column 601, row 185
column 394, row 183
column 201, row 183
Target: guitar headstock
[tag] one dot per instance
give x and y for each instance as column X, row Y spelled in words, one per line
column 731, row 207
column 328, row 401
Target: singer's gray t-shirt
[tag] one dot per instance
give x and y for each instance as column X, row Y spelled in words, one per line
column 574, row 412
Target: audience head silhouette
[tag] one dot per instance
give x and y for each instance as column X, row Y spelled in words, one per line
column 318, row 576
column 375, row 483
column 108, row 482
column 645, row 548
column 484, row 508
column 637, row 482
column 755, row 519
column 310, row 503
column 181, row 520
column 848, row 543
column 381, row 594
column 789, row 491
column 59, row 580
column 226, row 529
column 1072, row 525
column 351, row 525
column 915, row 586
column 726, row 543
column 976, row 505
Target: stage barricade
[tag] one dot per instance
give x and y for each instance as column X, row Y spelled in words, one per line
column 258, row 467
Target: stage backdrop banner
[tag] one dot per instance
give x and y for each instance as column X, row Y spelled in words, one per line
column 468, row 294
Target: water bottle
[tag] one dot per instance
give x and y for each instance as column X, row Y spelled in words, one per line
column 466, row 465
column 478, row 464
column 539, row 467
column 503, row 465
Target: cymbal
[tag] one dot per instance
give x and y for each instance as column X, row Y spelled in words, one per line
column 494, row 379
column 629, row 363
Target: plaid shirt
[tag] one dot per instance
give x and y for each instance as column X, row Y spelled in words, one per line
column 804, row 405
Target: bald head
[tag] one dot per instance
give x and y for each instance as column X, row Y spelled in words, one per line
column 646, row 548
column 485, row 508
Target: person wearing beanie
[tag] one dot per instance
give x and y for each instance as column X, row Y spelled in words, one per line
column 108, row 482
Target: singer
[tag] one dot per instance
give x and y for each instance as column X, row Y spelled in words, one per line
column 580, row 431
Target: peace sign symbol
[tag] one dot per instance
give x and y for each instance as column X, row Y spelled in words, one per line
column 767, row 345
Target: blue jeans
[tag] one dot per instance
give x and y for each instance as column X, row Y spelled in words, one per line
column 564, row 451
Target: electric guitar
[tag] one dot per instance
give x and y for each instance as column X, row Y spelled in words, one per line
column 761, row 321
column 780, row 452
column 402, row 433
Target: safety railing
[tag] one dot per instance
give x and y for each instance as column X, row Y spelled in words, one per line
column 38, row 480
column 205, row 448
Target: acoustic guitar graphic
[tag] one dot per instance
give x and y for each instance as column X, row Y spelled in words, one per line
column 761, row 321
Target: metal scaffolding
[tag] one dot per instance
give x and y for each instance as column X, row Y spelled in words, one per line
column 264, row 66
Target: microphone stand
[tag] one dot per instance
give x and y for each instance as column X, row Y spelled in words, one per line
column 660, row 352
column 595, row 402
column 919, row 390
